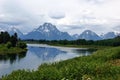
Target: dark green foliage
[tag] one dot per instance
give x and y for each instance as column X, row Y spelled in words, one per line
column 107, row 42
column 4, row 37
column 14, row 40
column 94, row 67
column 21, row 45
column 11, row 41
column 8, row 45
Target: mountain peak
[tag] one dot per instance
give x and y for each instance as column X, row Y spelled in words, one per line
column 47, row 31
column 46, row 27
column 109, row 35
column 12, row 29
column 87, row 32
column 2, row 30
column 89, row 35
column 75, row 36
column 47, row 24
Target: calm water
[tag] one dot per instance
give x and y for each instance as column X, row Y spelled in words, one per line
column 37, row 55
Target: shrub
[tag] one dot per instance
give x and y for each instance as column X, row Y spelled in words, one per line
column 9, row 45
column 22, row 45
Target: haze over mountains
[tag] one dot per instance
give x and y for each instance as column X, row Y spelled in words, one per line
column 47, row 31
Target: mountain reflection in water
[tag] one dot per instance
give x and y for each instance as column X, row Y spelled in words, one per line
column 37, row 55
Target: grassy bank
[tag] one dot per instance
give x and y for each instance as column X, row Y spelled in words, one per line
column 83, row 46
column 12, row 50
column 102, row 65
column 73, row 45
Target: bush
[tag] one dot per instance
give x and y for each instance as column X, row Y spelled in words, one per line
column 22, row 45
column 9, row 45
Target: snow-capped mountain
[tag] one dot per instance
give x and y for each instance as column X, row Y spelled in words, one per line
column 75, row 36
column 89, row 35
column 47, row 31
column 10, row 29
column 118, row 34
column 2, row 30
column 109, row 35
column 13, row 30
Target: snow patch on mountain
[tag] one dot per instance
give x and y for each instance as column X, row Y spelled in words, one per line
column 47, row 31
column 10, row 29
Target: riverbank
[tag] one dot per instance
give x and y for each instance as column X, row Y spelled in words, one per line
column 83, row 46
column 98, row 66
column 93, row 47
column 12, row 50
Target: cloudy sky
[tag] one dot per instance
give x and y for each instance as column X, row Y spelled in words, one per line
column 73, row 16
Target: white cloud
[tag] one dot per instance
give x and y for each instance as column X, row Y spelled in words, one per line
column 56, row 15
column 80, row 13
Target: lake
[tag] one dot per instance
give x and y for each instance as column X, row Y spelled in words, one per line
column 38, row 54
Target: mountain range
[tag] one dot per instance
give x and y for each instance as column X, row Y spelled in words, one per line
column 48, row 31
column 109, row 35
column 89, row 35
column 11, row 30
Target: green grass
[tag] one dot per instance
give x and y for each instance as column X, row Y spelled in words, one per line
column 98, row 66
column 13, row 50
column 83, row 46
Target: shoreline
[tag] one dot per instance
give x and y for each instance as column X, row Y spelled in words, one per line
column 100, row 63
column 14, row 50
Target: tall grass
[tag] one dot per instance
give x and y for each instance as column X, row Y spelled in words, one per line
column 94, row 67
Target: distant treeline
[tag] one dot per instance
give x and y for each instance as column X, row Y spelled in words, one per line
column 11, row 40
column 106, row 42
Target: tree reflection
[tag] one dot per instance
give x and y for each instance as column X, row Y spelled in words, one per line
column 84, row 52
column 12, row 57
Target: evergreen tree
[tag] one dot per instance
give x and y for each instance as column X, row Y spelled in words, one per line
column 1, row 37
column 14, row 39
column 6, row 37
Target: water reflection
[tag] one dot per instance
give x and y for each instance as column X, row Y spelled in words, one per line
column 37, row 55
column 46, row 54
column 84, row 52
column 12, row 57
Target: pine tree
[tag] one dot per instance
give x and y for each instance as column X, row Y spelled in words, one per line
column 14, row 40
